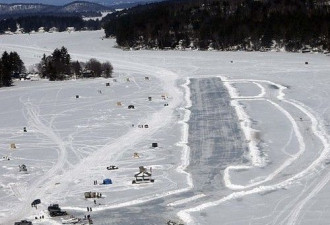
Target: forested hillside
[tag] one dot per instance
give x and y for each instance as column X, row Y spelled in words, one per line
column 76, row 7
column 225, row 25
column 29, row 23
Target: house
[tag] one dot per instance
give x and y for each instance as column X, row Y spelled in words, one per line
column 87, row 73
column 32, row 76
column 19, row 30
column 8, row 32
column 41, row 30
column 70, row 29
column 306, row 49
column 53, row 29
column 143, row 176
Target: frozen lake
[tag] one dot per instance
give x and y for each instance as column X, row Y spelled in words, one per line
column 244, row 138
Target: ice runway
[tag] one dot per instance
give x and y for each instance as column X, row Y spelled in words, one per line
column 215, row 138
column 275, row 165
column 273, row 168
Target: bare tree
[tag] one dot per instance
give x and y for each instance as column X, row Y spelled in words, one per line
column 95, row 66
column 107, row 69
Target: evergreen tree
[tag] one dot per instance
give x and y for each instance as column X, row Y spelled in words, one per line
column 17, row 63
column 7, row 69
column 42, row 66
column 1, row 73
column 75, row 68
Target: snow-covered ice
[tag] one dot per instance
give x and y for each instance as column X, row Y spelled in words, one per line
column 279, row 103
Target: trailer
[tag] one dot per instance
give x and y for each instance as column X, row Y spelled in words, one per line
column 55, row 210
column 91, row 194
column 70, row 221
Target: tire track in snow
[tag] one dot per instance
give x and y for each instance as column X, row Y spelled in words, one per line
column 169, row 79
column 34, row 191
column 132, row 137
column 294, row 215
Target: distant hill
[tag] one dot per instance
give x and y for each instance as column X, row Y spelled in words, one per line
column 77, row 7
column 82, row 6
column 108, row 3
column 6, row 9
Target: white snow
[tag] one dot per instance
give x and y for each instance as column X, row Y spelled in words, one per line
column 281, row 104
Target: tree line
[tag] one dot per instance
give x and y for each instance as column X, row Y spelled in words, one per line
column 224, row 25
column 59, row 66
column 30, row 23
column 10, row 63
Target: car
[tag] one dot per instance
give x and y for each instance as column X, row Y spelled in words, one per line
column 112, row 168
column 35, row 202
column 70, row 221
column 23, row 222
column 58, row 213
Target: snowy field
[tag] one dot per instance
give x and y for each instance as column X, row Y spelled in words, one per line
column 244, row 138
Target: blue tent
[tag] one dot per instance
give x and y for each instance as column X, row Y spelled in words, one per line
column 107, row 181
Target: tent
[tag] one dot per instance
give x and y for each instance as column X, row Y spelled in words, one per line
column 107, row 181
